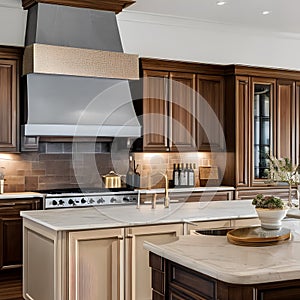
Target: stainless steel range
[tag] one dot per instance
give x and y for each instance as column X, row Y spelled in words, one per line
column 70, row 198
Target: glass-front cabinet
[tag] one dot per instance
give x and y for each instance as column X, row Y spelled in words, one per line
column 262, row 95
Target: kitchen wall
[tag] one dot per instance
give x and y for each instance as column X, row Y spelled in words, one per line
column 169, row 37
column 181, row 39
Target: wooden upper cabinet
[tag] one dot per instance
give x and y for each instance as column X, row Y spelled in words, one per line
column 182, row 111
column 297, row 123
column 8, row 105
column 285, row 113
column 210, row 113
column 262, row 114
column 242, row 105
column 9, row 112
column 155, row 111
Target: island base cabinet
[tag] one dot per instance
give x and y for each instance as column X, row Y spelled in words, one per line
column 138, row 273
column 44, row 268
column 96, row 263
column 175, row 282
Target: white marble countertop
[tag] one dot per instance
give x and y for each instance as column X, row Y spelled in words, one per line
column 20, row 195
column 128, row 215
column 216, row 257
column 189, row 189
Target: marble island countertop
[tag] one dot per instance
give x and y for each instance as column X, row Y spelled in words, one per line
column 216, row 257
column 128, row 215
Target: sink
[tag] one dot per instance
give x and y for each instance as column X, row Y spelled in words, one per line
column 213, row 231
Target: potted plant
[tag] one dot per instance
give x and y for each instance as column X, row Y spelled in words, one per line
column 270, row 210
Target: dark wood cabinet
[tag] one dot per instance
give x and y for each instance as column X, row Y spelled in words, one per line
column 155, row 111
column 174, row 116
column 11, row 230
column 178, row 282
column 182, row 111
column 210, row 107
column 242, row 126
column 265, row 107
column 168, row 111
column 285, row 110
column 10, row 59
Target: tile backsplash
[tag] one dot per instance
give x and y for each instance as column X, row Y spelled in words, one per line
column 55, row 166
column 36, row 171
column 151, row 164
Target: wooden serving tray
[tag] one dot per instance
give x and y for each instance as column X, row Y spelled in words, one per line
column 258, row 236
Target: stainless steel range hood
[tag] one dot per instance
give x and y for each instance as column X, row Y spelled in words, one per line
column 77, row 75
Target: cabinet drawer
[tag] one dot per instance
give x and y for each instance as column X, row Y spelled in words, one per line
column 190, row 282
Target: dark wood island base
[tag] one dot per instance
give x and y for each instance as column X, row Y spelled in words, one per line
column 176, row 282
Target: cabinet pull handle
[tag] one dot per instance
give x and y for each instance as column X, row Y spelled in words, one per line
column 120, row 237
column 129, row 235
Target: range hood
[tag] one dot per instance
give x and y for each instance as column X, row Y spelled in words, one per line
column 76, row 74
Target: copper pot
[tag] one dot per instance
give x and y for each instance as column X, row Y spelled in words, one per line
column 112, row 180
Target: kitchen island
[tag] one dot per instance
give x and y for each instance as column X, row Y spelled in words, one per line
column 209, row 267
column 97, row 252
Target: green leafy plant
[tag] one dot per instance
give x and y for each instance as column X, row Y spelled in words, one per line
column 271, row 202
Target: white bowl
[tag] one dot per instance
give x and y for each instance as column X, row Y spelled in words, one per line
column 271, row 218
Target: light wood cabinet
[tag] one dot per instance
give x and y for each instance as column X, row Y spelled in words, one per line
column 138, row 273
column 96, row 264
column 10, row 58
column 93, row 264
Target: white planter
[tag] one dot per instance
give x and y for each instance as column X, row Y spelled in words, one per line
column 271, row 218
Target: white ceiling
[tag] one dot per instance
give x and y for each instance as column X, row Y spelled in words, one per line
column 284, row 16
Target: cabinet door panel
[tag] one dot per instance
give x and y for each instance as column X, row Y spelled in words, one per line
column 242, row 131
column 182, row 111
column 138, row 274
column 155, row 111
column 210, row 92
column 8, row 103
column 96, row 262
column 10, row 241
column 263, row 116
column 285, row 120
column 297, row 123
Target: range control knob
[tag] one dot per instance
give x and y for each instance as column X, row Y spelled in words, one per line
column 101, row 200
column 83, row 200
column 92, row 201
column 126, row 199
column 54, row 202
column 71, row 201
column 61, row 202
column 113, row 200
